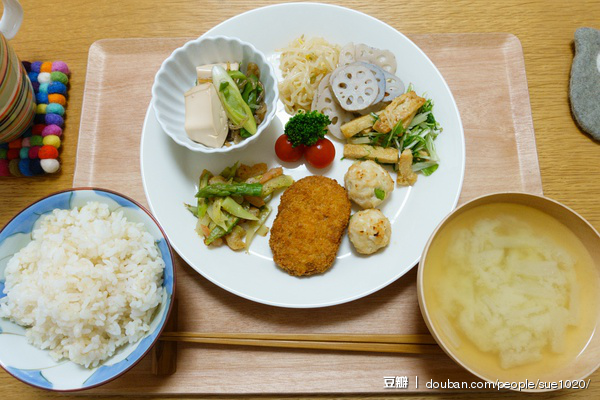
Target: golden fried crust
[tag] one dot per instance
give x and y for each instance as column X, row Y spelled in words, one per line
column 309, row 226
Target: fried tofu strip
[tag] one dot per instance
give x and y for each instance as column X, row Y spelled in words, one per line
column 406, row 176
column 382, row 155
column 357, row 125
column 402, row 108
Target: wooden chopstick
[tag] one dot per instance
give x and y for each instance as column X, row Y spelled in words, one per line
column 315, row 337
column 410, row 344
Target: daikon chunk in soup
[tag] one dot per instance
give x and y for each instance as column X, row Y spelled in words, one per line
column 512, row 290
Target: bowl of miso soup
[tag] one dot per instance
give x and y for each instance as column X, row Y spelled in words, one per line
column 509, row 286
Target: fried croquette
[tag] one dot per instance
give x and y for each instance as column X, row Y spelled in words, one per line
column 311, row 220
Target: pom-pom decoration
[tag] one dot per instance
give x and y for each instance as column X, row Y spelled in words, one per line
column 36, row 151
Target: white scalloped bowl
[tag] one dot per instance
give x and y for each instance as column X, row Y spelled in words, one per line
column 177, row 75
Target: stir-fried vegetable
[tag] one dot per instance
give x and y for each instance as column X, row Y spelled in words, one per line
column 202, row 204
column 255, row 226
column 217, row 232
column 237, row 210
column 282, row 181
column 232, row 206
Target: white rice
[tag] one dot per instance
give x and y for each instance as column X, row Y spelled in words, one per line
column 88, row 283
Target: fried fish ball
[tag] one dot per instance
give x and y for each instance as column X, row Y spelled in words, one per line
column 369, row 231
column 368, row 183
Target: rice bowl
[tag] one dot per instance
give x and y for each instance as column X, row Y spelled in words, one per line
column 87, row 283
column 100, row 294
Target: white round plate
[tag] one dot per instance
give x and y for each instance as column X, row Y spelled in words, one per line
column 170, row 172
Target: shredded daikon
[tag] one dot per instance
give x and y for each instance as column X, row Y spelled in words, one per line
column 303, row 64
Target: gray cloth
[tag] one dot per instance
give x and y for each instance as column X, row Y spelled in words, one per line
column 585, row 81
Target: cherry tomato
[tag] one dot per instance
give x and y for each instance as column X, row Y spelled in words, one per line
column 285, row 151
column 321, row 154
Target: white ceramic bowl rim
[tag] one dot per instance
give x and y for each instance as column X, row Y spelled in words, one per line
column 188, row 143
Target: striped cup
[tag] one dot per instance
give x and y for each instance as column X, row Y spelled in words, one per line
column 17, row 101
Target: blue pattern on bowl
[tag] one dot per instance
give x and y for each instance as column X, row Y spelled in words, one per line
column 24, row 223
column 33, row 377
column 117, row 199
column 168, row 275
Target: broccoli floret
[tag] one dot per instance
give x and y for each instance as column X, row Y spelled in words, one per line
column 306, row 128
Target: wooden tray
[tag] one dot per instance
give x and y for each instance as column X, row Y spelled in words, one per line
column 485, row 72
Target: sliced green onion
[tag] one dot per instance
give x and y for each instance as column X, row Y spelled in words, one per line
column 236, row 108
column 380, row 194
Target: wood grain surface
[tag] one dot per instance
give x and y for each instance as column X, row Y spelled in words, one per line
column 55, row 29
column 108, row 139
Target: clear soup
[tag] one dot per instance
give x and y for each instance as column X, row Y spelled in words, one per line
column 512, row 291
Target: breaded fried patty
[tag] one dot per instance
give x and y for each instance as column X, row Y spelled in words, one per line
column 309, row 226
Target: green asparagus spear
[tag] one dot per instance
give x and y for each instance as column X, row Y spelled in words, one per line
column 228, row 189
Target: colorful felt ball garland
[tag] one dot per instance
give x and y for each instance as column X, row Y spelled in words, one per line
column 36, row 151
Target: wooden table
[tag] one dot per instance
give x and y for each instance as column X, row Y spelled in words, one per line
column 569, row 159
